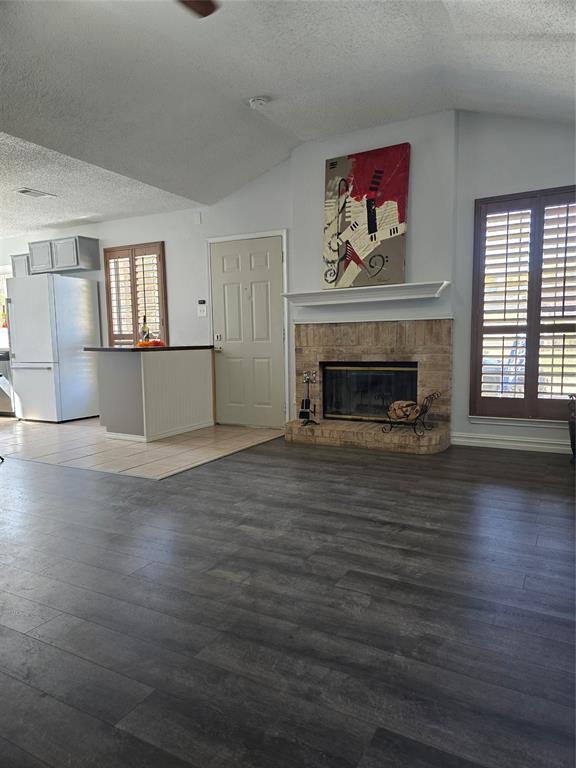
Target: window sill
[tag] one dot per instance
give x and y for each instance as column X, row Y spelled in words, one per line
column 510, row 422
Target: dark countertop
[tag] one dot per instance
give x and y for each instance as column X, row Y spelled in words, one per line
column 143, row 349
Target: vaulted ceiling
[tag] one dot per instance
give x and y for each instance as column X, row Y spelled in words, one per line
column 145, row 89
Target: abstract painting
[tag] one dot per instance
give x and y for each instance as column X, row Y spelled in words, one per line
column 365, row 217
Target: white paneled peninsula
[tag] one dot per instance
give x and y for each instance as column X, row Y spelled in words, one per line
column 147, row 393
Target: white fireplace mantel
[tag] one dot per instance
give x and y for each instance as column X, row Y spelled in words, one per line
column 368, row 295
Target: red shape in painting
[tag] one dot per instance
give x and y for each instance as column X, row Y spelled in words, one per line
column 381, row 175
column 352, row 256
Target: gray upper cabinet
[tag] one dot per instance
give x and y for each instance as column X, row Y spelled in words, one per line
column 66, row 254
column 20, row 266
column 40, row 256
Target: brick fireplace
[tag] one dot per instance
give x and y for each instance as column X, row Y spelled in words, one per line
column 366, row 351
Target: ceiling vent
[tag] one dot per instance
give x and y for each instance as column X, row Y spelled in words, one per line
column 33, row 192
column 258, row 102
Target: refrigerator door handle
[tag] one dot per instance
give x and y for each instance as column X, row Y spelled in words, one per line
column 9, row 321
column 23, row 367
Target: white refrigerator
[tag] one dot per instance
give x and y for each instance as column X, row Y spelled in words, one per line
column 51, row 318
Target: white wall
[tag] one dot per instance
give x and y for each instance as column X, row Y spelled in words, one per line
column 455, row 159
column 430, row 234
column 498, row 155
column 260, row 206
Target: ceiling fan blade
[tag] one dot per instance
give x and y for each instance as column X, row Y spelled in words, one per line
column 200, row 7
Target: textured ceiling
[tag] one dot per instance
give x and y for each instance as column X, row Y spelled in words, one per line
column 147, row 90
column 84, row 193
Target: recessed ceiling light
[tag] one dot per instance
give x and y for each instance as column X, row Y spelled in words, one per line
column 33, row 192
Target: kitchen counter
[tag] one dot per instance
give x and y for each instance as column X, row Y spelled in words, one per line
column 142, row 349
column 147, row 397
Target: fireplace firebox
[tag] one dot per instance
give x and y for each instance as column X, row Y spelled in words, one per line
column 362, row 391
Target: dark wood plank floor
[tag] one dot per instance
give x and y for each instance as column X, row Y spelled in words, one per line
column 290, row 607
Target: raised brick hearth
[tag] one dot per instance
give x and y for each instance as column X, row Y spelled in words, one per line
column 427, row 342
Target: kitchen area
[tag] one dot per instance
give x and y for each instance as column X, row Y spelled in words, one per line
column 132, row 404
column 49, row 311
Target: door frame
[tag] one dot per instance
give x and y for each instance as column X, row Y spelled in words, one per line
column 282, row 233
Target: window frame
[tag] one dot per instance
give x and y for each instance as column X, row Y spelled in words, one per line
column 529, row 406
column 157, row 249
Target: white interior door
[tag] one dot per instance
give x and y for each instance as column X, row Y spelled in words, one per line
column 248, row 325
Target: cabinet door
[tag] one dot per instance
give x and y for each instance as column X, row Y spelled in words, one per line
column 40, row 257
column 20, row 265
column 65, row 253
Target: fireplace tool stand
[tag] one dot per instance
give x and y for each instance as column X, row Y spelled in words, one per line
column 418, row 423
column 307, row 411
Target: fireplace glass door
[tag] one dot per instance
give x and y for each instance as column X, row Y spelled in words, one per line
column 363, row 390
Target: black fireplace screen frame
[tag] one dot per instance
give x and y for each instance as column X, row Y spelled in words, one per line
column 382, row 383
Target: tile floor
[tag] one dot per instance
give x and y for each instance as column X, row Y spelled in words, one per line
column 84, row 445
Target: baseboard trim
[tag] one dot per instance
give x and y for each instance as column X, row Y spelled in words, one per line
column 179, row 431
column 150, row 438
column 499, row 421
column 125, row 436
column 540, row 444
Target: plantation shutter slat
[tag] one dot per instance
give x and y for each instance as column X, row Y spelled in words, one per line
column 136, row 287
column 146, row 268
column 559, row 265
column 524, row 305
column 557, row 349
column 556, row 365
column 506, row 254
column 507, row 267
column 119, row 281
